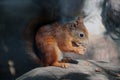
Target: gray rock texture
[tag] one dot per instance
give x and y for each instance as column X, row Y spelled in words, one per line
column 113, row 10
column 84, row 70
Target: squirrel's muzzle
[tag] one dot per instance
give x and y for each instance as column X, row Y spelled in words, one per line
column 80, row 43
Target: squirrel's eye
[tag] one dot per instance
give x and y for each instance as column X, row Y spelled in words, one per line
column 81, row 35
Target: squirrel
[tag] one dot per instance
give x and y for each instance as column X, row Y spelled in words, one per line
column 54, row 38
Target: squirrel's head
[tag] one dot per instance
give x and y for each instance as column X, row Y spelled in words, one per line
column 79, row 32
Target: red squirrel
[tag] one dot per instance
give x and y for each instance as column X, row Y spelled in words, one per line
column 53, row 39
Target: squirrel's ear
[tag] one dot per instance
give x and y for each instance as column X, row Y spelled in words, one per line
column 80, row 20
column 72, row 26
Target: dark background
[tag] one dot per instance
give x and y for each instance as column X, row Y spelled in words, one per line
column 15, row 16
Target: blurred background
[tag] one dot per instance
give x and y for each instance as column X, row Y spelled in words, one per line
column 19, row 20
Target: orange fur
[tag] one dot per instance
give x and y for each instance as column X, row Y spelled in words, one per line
column 55, row 38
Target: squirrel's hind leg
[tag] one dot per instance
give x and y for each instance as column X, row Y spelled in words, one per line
column 58, row 63
column 52, row 55
column 61, row 64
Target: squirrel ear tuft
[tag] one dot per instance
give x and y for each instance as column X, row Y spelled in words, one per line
column 80, row 19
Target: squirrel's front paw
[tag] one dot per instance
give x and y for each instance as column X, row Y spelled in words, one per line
column 80, row 50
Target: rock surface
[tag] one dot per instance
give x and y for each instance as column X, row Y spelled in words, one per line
column 113, row 10
column 84, row 70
